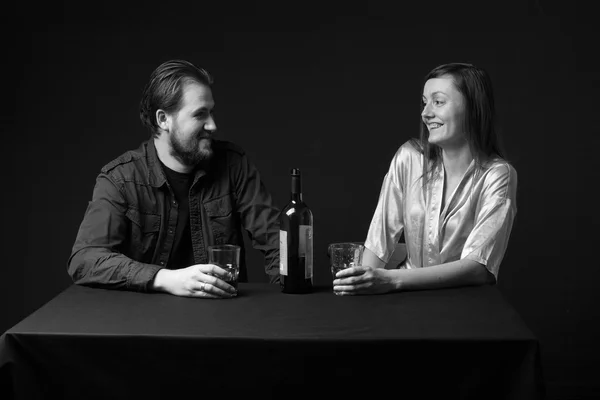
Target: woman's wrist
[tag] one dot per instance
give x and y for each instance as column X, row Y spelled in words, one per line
column 397, row 279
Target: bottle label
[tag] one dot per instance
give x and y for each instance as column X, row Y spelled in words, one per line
column 283, row 259
column 306, row 249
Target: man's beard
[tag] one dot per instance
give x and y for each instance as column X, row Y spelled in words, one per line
column 190, row 153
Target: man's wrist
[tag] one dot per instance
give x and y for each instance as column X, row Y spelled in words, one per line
column 158, row 283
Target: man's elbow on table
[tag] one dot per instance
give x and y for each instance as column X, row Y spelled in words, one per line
column 81, row 267
column 76, row 267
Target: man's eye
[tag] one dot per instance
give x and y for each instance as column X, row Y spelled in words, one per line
column 438, row 102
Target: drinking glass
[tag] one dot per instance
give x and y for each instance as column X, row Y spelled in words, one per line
column 345, row 255
column 226, row 256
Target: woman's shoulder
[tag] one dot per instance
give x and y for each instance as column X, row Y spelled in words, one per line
column 410, row 149
column 499, row 171
column 407, row 160
column 499, row 166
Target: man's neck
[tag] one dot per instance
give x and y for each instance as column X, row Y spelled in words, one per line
column 163, row 151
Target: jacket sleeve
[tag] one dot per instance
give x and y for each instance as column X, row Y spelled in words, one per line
column 96, row 259
column 259, row 215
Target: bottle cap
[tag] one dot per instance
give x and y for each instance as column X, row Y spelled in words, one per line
column 295, row 171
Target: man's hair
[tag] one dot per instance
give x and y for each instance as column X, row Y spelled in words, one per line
column 479, row 120
column 164, row 91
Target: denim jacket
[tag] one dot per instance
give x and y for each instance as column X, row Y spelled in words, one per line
column 129, row 227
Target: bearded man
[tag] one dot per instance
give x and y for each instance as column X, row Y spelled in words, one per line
column 155, row 210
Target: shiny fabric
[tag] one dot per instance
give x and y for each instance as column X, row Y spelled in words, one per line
column 474, row 224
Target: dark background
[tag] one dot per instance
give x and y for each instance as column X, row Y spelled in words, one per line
column 333, row 91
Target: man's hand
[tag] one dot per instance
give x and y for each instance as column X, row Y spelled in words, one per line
column 200, row 280
column 363, row 280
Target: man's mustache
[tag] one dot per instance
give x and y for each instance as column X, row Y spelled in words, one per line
column 205, row 135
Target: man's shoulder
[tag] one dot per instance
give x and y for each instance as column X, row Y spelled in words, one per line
column 127, row 162
column 229, row 153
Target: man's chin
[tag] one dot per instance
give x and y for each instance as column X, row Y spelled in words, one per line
column 205, row 147
column 206, row 155
column 202, row 156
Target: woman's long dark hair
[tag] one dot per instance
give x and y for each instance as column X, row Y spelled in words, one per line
column 479, row 120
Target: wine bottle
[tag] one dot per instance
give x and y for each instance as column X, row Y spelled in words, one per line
column 296, row 242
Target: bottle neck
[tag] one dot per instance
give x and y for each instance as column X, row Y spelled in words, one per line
column 296, row 192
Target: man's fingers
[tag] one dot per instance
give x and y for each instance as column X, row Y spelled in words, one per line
column 204, row 294
column 214, row 270
column 196, row 286
column 218, row 288
column 209, row 278
column 218, row 283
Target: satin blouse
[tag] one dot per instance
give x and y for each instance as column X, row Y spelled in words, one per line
column 475, row 223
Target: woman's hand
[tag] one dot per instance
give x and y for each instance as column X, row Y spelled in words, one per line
column 364, row 280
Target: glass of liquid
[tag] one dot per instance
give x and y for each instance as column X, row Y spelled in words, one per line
column 345, row 255
column 226, row 256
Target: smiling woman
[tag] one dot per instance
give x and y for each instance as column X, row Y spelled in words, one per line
column 443, row 111
column 450, row 192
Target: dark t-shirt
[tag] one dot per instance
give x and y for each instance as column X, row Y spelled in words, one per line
column 128, row 216
column 182, row 254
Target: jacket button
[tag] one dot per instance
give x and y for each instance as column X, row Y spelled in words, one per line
column 162, row 263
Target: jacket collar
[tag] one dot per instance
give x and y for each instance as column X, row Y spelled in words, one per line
column 156, row 175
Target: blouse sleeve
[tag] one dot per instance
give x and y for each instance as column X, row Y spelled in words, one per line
column 494, row 215
column 387, row 223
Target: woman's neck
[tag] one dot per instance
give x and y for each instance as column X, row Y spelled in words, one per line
column 456, row 159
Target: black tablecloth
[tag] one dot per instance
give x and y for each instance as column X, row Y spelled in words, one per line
column 93, row 343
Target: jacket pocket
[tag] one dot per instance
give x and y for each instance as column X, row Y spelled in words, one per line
column 144, row 229
column 220, row 214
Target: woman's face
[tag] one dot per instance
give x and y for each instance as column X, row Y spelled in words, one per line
column 443, row 112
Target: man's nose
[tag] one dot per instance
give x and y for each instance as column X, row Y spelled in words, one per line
column 210, row 125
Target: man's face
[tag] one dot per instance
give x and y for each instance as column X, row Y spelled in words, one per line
column 443, row 111
column 192, row 127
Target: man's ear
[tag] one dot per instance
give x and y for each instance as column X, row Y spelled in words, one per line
column 163, row 120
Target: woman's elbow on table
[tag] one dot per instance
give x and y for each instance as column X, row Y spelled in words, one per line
column 479, row 274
